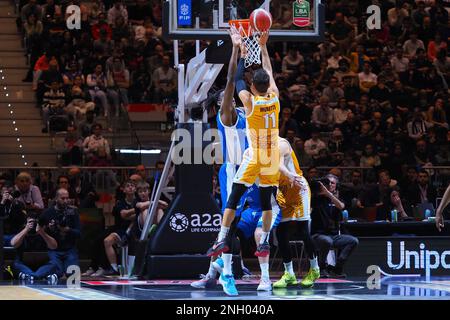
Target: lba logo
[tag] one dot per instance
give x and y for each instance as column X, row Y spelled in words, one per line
column 206, row 222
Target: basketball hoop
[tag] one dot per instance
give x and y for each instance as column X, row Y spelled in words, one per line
column 250, row 38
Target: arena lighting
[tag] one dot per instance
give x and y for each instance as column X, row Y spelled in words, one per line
column 23, row 156
column 7, row 94
column 18, row 139
column 132, row 151
column 11, row 112
column 26, row 163
column 20, row 146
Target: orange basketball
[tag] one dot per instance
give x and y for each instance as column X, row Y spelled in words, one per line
column 260, row 20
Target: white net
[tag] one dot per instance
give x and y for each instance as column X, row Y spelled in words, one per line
column 253, row 50
column 251, row 42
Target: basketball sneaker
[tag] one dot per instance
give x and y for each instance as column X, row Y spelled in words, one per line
column 218, row 265
column 311, row 277
column 227, row 282
column 218, row 248
column 205, row 283
column 263, row 250
column 264, row 285
column 52, row 279
column 89, row 272
column 286, row 280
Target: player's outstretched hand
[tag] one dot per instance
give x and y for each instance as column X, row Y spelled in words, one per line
column 439, row 221
column 264, row 37
column 235, row 36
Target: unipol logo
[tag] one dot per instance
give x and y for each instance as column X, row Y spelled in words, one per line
column 421, row 259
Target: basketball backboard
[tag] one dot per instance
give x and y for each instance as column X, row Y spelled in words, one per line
column 293, row 20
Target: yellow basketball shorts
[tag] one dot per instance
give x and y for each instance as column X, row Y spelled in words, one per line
column 259, row 166
column 295, row 203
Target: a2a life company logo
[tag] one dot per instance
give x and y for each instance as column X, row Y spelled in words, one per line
column 206, row 222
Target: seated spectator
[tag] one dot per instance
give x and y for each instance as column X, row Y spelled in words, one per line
column 103, row 43
column 442, row 64
column 314, row 145
column 357, row 59
column 375, row 195
column 417, row 127
column 45, row 184
column 140, row 12
column 95, row 146
column 164, row 81
column 303, row 158
column 291, row 62
column 333, row 92
column 401, row 100
column 341, row 33
column 422, row 191
column 436, row 115
column 333, row 61
column 336, row 143
column 120, row 29
column 100, row 25
column 32, row 7
column 140, row 85
column 29, row 194
column 73, row 155
column 84, row 190
column 341, row 112
column 142, row 208
column 64, row 225
column 124, row 216
column 422, row 156
column 322, row 116
column 53, row 104
column 412, row 45
column 33, row 33
column 85, row 126
column 351, row 192
column 71, row 73
column 435, row 46
column 391, row 200
column 326, row 215
column 287, row 123
column 400, row 63
column 369, row 157
column 351, row 89
column 97, row 88
column 366, row 78
column 118, row 84
column 79, row 102
column 117, row 10
column 380, row 91
column 155, row 61
column 34, row 237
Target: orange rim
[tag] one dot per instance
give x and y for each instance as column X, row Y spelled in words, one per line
column 243, row 26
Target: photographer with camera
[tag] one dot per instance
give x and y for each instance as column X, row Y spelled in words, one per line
column 326, row 215
column 64, row 223
column 34, row 237
column 30, row 195
column 12, row 211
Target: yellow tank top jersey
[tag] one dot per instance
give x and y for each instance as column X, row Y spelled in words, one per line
column 262, row 124
column 289, row 197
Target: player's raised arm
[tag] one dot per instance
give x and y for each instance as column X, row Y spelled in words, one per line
column 244, row 95
column 227, row 108
column 439, row 212
column 285, row 150
column 266, row 64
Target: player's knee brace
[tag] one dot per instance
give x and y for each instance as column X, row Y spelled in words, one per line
column 237, row 192
column 266, row 197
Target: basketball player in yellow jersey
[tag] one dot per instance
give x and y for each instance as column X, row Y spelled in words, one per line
column 261, row 161
column 294, row 199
